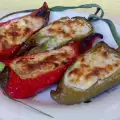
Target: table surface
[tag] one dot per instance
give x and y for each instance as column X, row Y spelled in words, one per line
column 111, row 7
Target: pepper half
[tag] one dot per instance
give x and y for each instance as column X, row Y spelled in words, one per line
column 92, row 73
column 61, row 32
column 15, row 32
column 27, row 75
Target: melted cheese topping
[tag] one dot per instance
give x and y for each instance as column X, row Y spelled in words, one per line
column 33, row 66
column 64, row 30
column 92, row 68
column 17, row 31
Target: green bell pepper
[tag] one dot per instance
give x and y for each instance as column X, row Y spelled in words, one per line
column 91, row 74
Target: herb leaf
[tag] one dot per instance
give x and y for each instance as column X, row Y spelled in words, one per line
column 61, row 8
column 111, row 25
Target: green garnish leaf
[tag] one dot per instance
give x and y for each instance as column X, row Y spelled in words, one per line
column 111, row 25
column 61, row 8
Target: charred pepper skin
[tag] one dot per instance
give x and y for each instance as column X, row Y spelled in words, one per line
column 12, row 29
column 24, row 88
column 68, row 95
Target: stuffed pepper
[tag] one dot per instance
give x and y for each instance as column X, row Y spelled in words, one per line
column 92, row 73
column 15, row 32
column 60, row 33
column 27, row 75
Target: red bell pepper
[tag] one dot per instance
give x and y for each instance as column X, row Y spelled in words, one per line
column 15, row 32
column 28, row 75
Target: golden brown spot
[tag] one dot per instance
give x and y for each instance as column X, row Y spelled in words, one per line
column 76, row 71
column 51, row 30
column 57, row 60
column 4, row 44
column 22, row 60
column 95, row 72
column 59, row 29
column 70, row 22
column 116, row 65
column 75, row 80
column 79, row 22
column 27, row 30
column 1, row 37
column 105, row 54
column 109, row 67
column 39, row 65
column 67, row 35
column 83, row 59
column 84, row 66
column 26, row 21
column 76, row 21
column 64, row 34
column 13, row 31
column 56, row 22
column 60, row 32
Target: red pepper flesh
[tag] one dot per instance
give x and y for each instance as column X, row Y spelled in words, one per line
column 18, row 87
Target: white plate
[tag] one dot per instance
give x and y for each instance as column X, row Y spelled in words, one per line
column 104, row 107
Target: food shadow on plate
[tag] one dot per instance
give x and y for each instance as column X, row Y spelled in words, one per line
column 108, row 91
column 43, row 98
